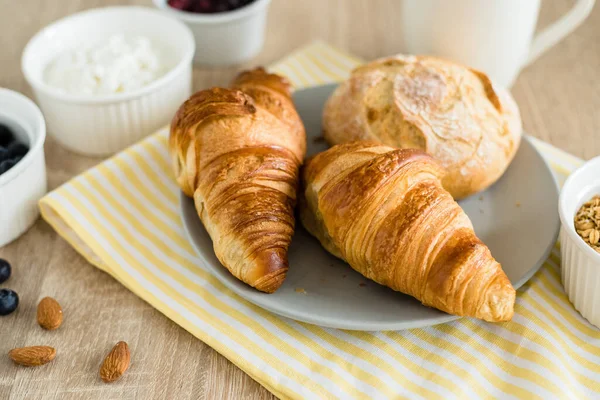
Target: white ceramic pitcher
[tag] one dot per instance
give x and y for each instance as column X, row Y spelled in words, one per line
column 494, row 36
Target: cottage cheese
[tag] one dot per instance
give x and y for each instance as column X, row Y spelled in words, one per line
column 116, row 64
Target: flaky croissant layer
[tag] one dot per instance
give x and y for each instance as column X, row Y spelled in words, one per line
column 238, row 152
column 385, row 212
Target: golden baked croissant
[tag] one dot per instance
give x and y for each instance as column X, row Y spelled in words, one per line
column 237, row 152
column 385, row 212
column 450, row 111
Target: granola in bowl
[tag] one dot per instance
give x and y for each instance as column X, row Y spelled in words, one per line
column 587, row 222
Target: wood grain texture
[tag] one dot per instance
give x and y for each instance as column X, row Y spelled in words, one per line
column 559, row 96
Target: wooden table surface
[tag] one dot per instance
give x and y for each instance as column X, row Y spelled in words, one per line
column 559, row 96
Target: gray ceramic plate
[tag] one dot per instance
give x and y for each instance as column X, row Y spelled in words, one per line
column 516, row 218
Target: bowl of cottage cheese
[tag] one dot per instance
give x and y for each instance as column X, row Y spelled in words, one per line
column 105, row 78
column 114, row 64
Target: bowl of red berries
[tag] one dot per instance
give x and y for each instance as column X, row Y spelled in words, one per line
column 226, row 31
column 22, row 163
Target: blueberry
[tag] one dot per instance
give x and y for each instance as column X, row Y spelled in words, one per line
column 9, row 301
column 3, row 153
column 6, row 136
column 5, row 270
column 16, row 149
column 7, row 164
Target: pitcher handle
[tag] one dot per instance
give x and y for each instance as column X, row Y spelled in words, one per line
column 557, row 31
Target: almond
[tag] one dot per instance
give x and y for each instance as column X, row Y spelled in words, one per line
column 116, row 363
column 49, row 314
column 32, row 356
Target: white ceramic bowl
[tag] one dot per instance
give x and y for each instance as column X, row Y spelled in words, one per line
column 225, row 38
column 104, row 124
column 24, row 184
column 580, row 263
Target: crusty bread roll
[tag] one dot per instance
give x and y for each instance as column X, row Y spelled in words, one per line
column 452, row 112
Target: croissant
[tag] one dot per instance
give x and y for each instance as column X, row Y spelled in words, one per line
column 452, row 112
column 237, row 152
column 384, row 211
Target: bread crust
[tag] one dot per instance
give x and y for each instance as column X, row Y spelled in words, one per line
column 385, row 212
column 237, row 151
column 450, row 111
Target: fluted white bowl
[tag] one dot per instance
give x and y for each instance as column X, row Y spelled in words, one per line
column 105, row 124
column 580, row 263
column 24, row 184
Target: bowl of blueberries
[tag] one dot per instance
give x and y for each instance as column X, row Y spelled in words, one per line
column 226, row 31
column 22, row 164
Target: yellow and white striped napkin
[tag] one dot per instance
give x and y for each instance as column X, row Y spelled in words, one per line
column 123, row 216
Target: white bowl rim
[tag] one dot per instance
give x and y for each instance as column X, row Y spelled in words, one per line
column 567, row 221
column 222, row 17
column 39, row 84
column 39, row 135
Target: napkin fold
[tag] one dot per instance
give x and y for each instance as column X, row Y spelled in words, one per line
column 123, row 217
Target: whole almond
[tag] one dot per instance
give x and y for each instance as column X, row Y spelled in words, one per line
column 116, row 363
column 32, row 356
column 49, row 314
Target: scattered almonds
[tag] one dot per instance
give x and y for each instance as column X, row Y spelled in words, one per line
column 49, row 314
column 116, row 363
column 50, row 317
column 587, row 223
column 32, row 356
